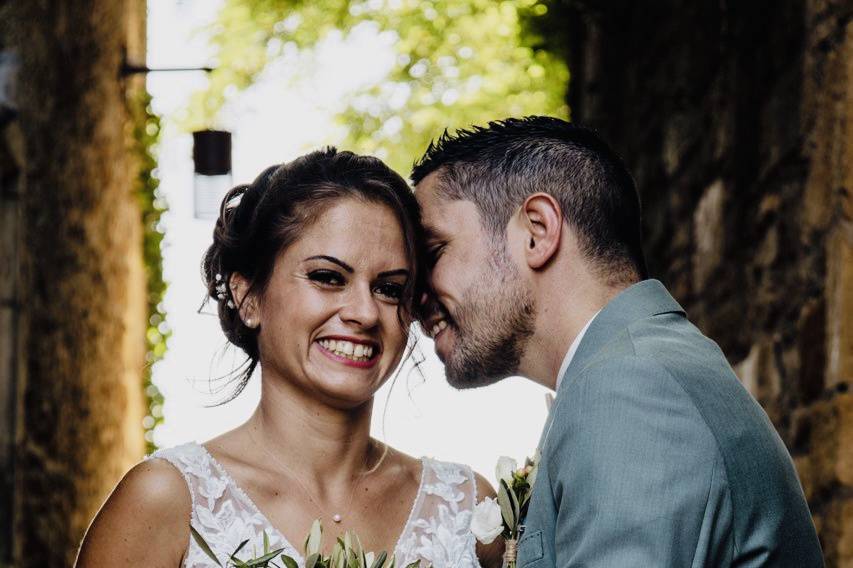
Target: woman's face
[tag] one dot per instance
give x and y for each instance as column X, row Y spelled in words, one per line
column 328, row 317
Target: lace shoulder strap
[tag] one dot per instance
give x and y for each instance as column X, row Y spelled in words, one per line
column 449, row 484
column 206, row 485
column 221, row 512
column 439, row 534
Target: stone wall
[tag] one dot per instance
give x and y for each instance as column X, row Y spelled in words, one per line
column 72, row 305
column 736, row 119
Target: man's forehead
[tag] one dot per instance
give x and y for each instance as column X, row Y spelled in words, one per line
column 443, row 216
column 426, row 191
column 429, row 198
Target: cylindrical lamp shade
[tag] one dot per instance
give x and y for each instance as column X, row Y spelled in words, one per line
column 212, row 152
column 212, row 165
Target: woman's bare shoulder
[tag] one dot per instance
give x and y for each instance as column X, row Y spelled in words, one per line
column 159, row 482
column 145, row 521
column 402, row 465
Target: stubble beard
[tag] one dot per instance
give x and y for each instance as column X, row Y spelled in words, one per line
column 492, row 326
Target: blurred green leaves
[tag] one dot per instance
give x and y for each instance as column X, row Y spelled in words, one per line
column 459, row 62
column 146, row 133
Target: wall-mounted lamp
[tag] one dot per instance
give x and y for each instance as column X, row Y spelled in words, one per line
column 211, row 152
column 128, row 68
column 212, row 171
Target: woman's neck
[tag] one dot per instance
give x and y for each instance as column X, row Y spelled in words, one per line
column 315, row 440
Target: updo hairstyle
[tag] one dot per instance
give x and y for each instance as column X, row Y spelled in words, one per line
column 258, row 221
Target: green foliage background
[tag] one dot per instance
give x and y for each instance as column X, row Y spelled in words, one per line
column 146, row 133
column 459, row 62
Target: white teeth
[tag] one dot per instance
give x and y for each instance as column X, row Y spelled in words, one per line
column 354, row 351
column 439, row 326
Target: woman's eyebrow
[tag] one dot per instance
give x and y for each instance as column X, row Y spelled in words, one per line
column 350, row 269
column 333, row 260
column 398, row 272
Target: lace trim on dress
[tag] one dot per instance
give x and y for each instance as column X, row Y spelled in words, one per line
column 436, row 532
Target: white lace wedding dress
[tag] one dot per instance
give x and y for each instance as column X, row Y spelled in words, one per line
column 437, row 531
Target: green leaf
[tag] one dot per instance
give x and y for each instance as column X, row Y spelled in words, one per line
column 516, row 507
column 314, row 541
column 203, row 545
column 239, row 548
column 263, row 560
column 289, row 562
column 337, row 554
column 357, row 547
column 531, row 477
column 505, row 502
column 266, row 543
column 380, row 560
column 311, row 561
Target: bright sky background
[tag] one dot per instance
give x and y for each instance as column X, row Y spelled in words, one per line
column 288, row 112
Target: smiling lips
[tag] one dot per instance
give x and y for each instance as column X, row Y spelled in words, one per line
column 352, row 353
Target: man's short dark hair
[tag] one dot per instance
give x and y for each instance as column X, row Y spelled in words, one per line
column 497, row 167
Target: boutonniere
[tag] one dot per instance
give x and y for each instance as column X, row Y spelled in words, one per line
column 503, row 517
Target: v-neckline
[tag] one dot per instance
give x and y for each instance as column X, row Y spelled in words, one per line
column 416, row 504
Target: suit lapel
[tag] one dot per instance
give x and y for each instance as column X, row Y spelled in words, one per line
column 642, row 300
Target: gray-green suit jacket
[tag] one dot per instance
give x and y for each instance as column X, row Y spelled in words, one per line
column 655, row 455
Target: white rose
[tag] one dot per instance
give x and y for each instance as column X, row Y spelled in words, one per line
column 506, row 466
column 486, row 522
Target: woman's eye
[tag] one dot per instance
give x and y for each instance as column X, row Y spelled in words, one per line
column 327, row 277
column 390, row 290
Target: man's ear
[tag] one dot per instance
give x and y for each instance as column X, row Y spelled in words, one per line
column 245, row 301
column 543, row 222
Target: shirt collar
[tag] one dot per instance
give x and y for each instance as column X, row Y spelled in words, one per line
column 567, row 360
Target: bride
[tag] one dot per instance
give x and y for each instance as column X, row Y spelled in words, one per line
column 315, row 267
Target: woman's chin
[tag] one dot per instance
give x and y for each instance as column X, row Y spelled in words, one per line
column 347, row 399
column 347, row 391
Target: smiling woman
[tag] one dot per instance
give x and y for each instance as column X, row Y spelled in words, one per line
column 315, row 268
column 325, row 197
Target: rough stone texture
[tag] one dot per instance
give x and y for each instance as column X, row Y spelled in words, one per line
column 77, row 342
column 11, row 164
column 736, row 119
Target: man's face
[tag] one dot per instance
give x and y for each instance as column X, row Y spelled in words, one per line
column 482, row 314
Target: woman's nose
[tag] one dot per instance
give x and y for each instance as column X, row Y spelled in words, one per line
column 360, row 307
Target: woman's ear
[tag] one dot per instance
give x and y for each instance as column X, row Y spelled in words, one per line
column 543, row 222
column 245, row 301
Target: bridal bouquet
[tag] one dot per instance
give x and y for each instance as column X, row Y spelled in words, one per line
column 347, row 553
column 503, row 517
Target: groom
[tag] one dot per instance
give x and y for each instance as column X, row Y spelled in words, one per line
column 653, row 453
